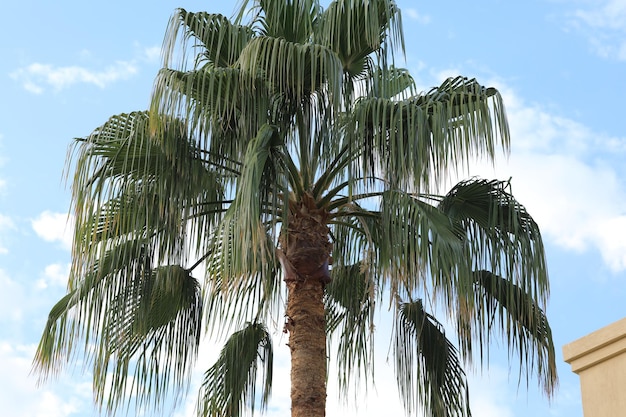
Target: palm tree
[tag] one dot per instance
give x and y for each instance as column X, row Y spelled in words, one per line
column 284, row 153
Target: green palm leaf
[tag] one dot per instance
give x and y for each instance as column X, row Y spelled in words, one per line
column 220, row 40
column 357, row 29
column 350, row 303
column 230, row 384
column 422, row 137
column 391, row 83
column 429, row 372
column 418, row 240
column 292, row 20
column 232, row 299
column 296, row 70
column 149, row 327
column 503, row 306
column 241, row 239
column 499, row 233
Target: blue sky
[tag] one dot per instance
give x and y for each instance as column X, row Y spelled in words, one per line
column 67, row 66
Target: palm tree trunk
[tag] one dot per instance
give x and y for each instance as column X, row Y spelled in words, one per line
column 307, row 341
column 305, row 255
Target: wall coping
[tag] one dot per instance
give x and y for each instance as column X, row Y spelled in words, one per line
column 596, row 347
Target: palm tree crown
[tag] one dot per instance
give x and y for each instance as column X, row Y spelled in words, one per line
column 284, row 153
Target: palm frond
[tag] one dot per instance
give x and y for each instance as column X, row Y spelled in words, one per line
column 391, row 83
column 418, row 241
column 291, row 20
column 414, row 142
column 501, row 306
column 222, row 106
column 355, row 30
column 128, row 182
column 350, row 304
column 261, row 191
column 134, row 196
column 292, row 69
column 499, row 233
column 53, row 350
column 230, row 384
column 510, row 288
column 80, row 314
column 149, row 340
column 232, row 299
column 219, row 40
column 428, row 369
column 141, row 330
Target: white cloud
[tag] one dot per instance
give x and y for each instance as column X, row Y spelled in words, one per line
column 12, row 298
column 5, row 224
column 609, row 234
column 413, row 14
column 54, row 275
column 53, row 227
column 35, row 77
column 569, row 177
column 20, row 396
column 566, row 176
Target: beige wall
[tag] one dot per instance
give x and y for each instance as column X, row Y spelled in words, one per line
column 600, row 360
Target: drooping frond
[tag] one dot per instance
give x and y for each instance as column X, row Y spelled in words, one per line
column 292, row 20
column 230, row 385
column 136, row 201
column 414, row 142
column 418, row 241
column 356, row 29
column 428, row 369
column 500, row 235
column 53, row 349
column 129, row 184
column 218, row 40
column 350, row 302
column 260, row 195
column 145, row 329
column 504, row 243
column 150, row 336
column 390, row 83
column 293, row 70
column 222, row 108
column 503, row 306
column 76, row 315
column 231, row 301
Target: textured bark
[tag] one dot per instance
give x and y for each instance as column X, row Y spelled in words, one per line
column 305, row 256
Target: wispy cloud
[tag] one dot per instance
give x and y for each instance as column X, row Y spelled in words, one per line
column 606, row 14
column 11, row 298
column 414, row 15
column 37, row 77
column 6, row 224
column 20, row 396
column 3, row 182
column 152, row 54
column 604, row 24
